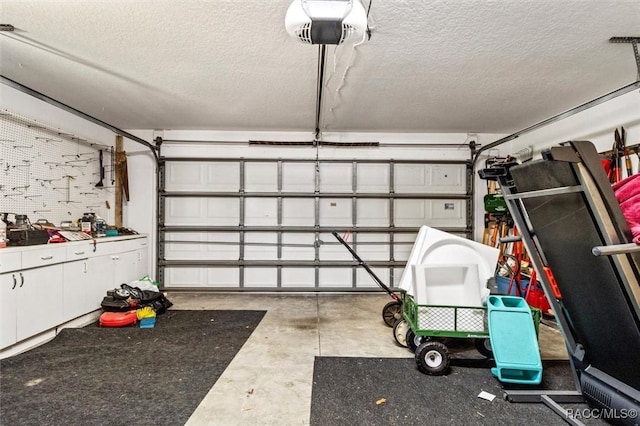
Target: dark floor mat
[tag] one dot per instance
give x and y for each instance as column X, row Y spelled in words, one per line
column 345, row 391
column 123, row 376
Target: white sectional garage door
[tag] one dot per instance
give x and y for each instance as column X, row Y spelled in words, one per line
column 255, row 224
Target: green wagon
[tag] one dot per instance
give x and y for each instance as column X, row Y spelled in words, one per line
column 423, row 327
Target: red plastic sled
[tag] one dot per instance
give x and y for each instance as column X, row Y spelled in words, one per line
column 118, row 319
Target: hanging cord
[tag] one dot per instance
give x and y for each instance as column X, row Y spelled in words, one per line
column 341, row 84
column 366, row 36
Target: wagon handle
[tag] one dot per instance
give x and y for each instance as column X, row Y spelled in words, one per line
column 365, row 266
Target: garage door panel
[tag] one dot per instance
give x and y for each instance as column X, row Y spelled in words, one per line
column 301, row 246
column 403, row 243
column 436, row 213
column 202, row 211
column 201, row 245
column 412, row 178
column 298, row 177
column 397, row 274
column 260, row 246
column 298, row 212
column 430, row 179
column 223, row 277
column 373, row 178
column 184, row 211
column 336, row 178
column 269, row 219
column 185, row 176
column 260, row 277
column 202, row 176
column 224, row 177
column 201, row 277
column 364, row 280
column 261, row 212
column 331, row 249
column 372, row 246
column 336, row 277
column 298, row 277
column 410, row 212
column 446, row 213
column 448, row 179
column 335, row 212
column 261, row 177
column 373, row 212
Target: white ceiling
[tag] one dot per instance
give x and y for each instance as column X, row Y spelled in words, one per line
column 431, row 66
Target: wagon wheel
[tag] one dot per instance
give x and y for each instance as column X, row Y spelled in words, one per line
column 484, row 347
column 400, row 332
column 413, row 340
column 433, row 358
column 392, row 312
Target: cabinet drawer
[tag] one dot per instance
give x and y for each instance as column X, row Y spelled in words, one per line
column 82, row 250
column 11, row 261
column 44, row 256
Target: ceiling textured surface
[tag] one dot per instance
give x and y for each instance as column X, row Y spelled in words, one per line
column 433, row 66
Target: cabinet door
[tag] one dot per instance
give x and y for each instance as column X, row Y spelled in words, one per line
column 143, row 263
column 125, row 267
column 39, row 301
column 8, row 290
column 74, row 290
column 99, row 280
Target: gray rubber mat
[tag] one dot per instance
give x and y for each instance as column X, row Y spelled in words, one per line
column 348, row 391
column 123, row 376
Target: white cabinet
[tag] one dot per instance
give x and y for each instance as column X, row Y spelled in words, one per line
column 39, row 301
column 43, row 287
column 31, row 302
column 99, row 279
column 75, row 289
column 125, row 267
column 143, row 260
column 9, row 283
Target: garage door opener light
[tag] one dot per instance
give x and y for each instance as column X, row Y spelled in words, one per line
column 326, row 21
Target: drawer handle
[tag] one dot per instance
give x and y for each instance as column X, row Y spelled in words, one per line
column 46, row 257
column 143, row 244
column 78, row 252
column 21, row 280
column 115, row 257
column 14, row 281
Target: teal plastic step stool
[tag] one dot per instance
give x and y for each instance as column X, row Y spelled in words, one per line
column 513, row 340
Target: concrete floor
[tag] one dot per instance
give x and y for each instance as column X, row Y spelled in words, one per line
column 269, row 381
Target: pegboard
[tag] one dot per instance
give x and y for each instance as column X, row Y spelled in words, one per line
column 48, row 173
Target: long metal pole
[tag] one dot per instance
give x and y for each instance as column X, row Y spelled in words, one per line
column 321, row 59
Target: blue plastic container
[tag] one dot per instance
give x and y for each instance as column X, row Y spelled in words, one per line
column 503, row 285
column 514, row 341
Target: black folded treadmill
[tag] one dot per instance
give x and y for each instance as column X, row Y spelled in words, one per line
column 570, row 221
